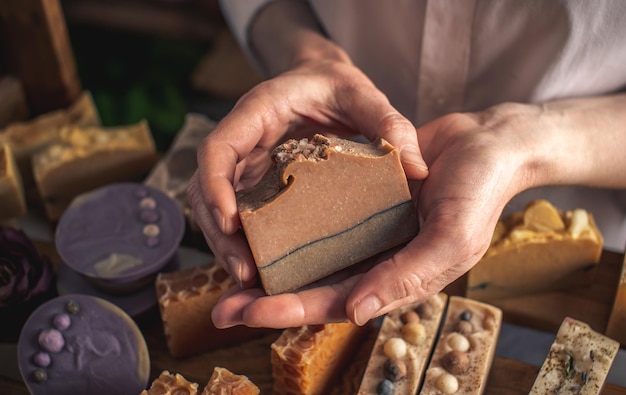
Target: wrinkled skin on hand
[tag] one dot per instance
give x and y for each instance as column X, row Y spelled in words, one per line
column 476, row 163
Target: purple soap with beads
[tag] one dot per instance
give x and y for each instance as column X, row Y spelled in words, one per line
column 120, row 236
column 80, row 344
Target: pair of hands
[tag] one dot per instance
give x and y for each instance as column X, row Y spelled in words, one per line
column 462, row 170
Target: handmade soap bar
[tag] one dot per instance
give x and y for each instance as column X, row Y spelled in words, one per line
column 578, row 361
column 307, row 360
column 87, row 158
column 186, row 298
column 27, row 138
column 120, row 236
column 465, row 349
column 540, row 249
column 172, row 173
column 11, row 189
column 171, row 384
column 225, row 382
column 616, row 328
column 79, row 344
column 326, row 204
column 403, row 347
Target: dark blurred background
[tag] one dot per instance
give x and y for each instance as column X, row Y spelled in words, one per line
column 151, row 59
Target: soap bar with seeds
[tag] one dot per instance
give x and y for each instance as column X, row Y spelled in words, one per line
column 403, row 346
column 326, row 204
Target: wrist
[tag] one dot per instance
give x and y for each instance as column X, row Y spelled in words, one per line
column 286, row 33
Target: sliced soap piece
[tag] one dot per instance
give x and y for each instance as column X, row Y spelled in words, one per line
column 225, row 382
column 326, row 204
column 540, row 249
column 465, row 349
column 578, row 361
column 616, row 327
column 171, row 384
column 186, row 298
column 79, row 344
column 403, row 347
column 119, row 236
column 11, row 188
column 308, row 359
column 87, row 158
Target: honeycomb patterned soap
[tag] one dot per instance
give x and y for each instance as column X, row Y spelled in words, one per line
column 225, row 382
column 79, row 344
column 171, row 384
column 578, row 361
column 326, row 204
column 186, row 298
column 540, row 249
column 464, row 350
column 306, row 360
column 402, row 349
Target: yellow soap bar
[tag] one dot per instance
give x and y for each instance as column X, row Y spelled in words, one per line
column 84, row 159
column 540, row 249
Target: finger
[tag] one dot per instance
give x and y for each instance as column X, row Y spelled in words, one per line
column 231, row 251
column 374, row 116
column 421, row 269
column 308, row 307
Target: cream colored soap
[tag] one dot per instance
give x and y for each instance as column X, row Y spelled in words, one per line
column 403, row 347
column 84, row 159
column 465, row 349
column 578, row 361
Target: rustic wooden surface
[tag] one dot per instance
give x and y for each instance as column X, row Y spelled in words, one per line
column 507, row 377
column 37, row 50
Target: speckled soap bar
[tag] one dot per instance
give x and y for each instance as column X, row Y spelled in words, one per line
column 78, row 344
column 578, row 361
column 326, row 204
column 119, row 236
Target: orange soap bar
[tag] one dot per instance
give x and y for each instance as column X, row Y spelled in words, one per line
column 225, row 382
column 171, row 384
column 307, row 360
column 326, row 204
column 186, row 298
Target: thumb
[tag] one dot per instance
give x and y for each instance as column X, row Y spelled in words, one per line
column 401, row 133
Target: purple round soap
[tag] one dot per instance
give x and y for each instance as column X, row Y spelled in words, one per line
column 119, row 236
column 79, row 344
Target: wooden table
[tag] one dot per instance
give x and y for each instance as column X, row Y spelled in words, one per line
column 508, row 377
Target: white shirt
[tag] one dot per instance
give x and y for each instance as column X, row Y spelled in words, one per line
column 432, row 57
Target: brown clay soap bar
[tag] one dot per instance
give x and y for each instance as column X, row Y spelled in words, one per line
column 326, row 204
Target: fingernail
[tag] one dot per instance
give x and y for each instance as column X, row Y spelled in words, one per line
column 409, row 154
column 366, row 309
column 218, row 218
column 236, row 268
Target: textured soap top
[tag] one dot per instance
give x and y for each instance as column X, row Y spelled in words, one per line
column 78, row 344
column 122, row 231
